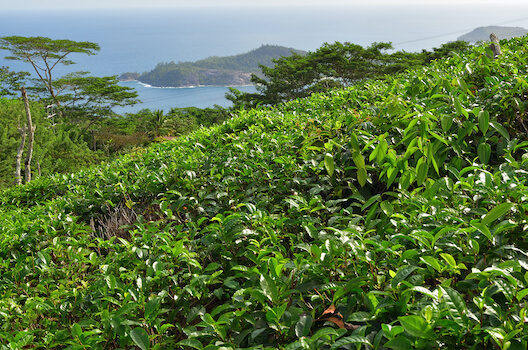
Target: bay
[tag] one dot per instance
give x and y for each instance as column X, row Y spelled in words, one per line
column 164, row 99
column 137, row 40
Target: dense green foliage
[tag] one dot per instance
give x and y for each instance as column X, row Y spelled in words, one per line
column 10, row 82
column 230, row 70
column 121, row 133
column 84, row 100
column 44, row 54
column 76, row 95
column 58, row 148
column 65, row 145
column 330, row 66
column 388, row 215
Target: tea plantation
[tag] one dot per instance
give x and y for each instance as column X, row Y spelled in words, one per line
column 390, row 215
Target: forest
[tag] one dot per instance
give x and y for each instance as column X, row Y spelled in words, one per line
column 387, row 212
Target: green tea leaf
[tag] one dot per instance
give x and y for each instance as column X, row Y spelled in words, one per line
column 506, row 288
column 484, row 152
column 455, row 306
column 208, row 319
column 433, row 262
column 324, row 332
column 359, row 161
column 111, row 281
column 269, row 288
column 462, row 85
column 274, row 315
column 329, row 164
column 483, row 229
column 459, row 108
column 370, row 201
column 521, row 294
column 354, row 142
column 399, row 343
column 387, row 208
column 424, row 291
column 402, row 274
column 391, row 331
column 140, row 338
column 421, row 171
column 76, row 330
column 497, row 212
column 151, row 306
column 449, row 259
column 446, row 122
column 483, row 120
column 193, row 343
column 303, row 326
column 500, row 129
column 416, row 326
column 353, row 339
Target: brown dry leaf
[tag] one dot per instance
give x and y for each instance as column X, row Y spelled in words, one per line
column 331, row 315
column 331, row 309
column 337, row 321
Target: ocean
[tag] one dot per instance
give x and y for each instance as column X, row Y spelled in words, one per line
column 137, row 40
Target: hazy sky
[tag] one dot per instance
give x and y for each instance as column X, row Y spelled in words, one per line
column 65, row 4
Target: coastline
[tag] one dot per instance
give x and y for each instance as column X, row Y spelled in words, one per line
column 181, row 87
column 166, row 98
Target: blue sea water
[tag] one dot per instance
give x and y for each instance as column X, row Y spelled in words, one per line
column 136, row 40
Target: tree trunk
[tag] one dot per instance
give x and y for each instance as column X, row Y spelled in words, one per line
column 31, row 129
column 18, row 176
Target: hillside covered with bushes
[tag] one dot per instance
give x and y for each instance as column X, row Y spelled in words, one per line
column 223, row 71
column 388, row 215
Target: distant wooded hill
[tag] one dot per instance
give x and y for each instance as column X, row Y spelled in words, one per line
column 483, row 33
column 221, row 71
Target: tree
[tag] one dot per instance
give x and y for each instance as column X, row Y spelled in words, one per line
column 44, row 54
column 446, row 50
column 330, row 66
column 10, row 82
column 31, row 130
column 79, row 98
column 85, row 99
column 57, row 149
column 77, row 92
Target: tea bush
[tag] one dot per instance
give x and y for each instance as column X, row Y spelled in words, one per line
column 390, row 215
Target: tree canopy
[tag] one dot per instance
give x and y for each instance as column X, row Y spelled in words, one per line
column 90, row 98
column 44, row 54
column 10, row 82
column 330, row 66
column 79, row 100
column 77, row 93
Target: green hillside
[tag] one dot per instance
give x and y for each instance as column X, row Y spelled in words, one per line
column 227, row 71
column 388, row 215
column 483, row 33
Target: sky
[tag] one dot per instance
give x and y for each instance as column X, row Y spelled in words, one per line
column 72, row 4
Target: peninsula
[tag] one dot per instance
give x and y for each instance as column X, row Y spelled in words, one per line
column 218, row 71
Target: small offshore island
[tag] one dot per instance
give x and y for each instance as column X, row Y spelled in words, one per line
column 213, row 71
